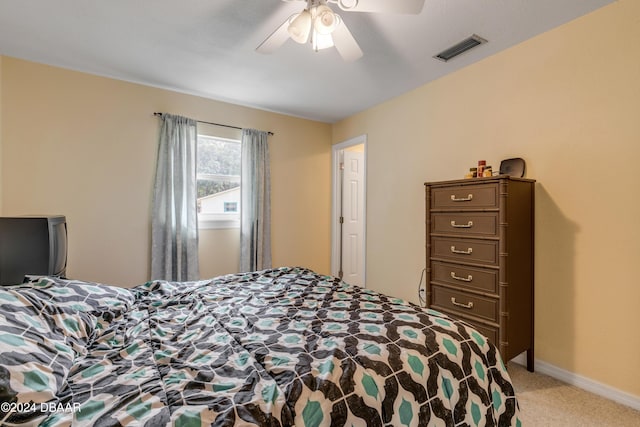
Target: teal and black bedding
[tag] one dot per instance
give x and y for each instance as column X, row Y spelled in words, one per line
column 281, row 347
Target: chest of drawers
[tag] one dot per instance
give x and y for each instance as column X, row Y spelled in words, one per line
column 480, row 255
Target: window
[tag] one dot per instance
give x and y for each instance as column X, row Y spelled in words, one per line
column 231, row 206
column 218, row 176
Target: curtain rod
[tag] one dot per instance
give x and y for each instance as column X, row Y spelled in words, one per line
column 211, row 123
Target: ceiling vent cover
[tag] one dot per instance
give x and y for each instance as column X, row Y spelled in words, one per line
column 460, row 48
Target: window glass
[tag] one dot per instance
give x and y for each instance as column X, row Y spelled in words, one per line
column 218, row 178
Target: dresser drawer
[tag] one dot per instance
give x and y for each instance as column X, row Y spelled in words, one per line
column 464, row 303
column 481, row 224
column 479, row 279
column 465, row 250
column 465, row 196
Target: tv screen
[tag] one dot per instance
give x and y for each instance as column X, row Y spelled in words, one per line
column 32, row 245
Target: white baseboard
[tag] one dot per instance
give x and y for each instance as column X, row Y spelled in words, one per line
column 582, row 382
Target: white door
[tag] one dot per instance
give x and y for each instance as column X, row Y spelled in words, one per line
column 353, row 215
column 348, row 229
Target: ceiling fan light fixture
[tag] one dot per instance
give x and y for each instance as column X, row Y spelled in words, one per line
column 324, row 21
column 300, row 27
column 321, row 41
column 347, row 4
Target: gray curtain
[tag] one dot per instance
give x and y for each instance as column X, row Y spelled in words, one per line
column 174, row 234
column 255, row 206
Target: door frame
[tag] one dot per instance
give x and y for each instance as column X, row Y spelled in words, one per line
column 335, row 203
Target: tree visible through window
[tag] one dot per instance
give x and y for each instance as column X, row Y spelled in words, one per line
column 218, row 177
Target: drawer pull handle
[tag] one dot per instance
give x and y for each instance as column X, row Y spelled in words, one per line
column 457, row 251
column 468, row 305
column 462, row 199
column 467, row 225
column 464, row 279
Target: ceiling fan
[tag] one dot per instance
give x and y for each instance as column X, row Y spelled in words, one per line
column 319, row 25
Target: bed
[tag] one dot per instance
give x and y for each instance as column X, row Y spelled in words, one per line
column 279, row 347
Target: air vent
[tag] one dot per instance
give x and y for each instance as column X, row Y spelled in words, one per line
column 460, row 48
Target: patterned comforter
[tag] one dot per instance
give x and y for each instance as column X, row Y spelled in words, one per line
column 281, row 347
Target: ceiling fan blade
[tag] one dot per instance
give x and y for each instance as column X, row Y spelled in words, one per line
column 412, row 7
column 276, row 39
column 345, row 43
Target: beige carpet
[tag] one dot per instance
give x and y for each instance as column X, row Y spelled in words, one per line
column 545, row 401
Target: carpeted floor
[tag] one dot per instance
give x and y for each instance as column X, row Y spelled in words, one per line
column 545, row 401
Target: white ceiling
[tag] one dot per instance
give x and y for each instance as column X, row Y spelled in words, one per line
column 207, row 48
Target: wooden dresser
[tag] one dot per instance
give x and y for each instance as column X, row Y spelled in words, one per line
column 480, row 257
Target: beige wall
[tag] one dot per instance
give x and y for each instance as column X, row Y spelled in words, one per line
column 85, row 146
column 0, row 133
column 568, row 102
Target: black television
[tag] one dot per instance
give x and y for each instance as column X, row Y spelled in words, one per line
column 32, row 245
